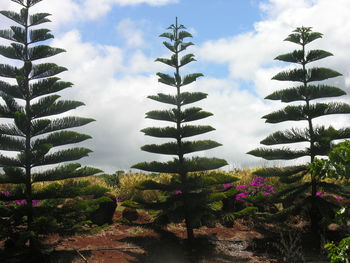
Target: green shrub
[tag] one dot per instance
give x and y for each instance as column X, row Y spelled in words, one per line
column 112, row 180
column 339, row 253
column 127, row 188
column 67, row 207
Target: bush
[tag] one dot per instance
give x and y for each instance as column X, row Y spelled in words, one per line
column 68, row 206
column 339, row 253
column 112, row 180
column 127, row 188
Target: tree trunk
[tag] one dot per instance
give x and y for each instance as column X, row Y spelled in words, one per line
column 189, row 229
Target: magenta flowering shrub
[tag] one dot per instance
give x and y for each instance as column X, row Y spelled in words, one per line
column 23, row 202
column 17, row 202
column 258, row 186
column 323, row 194
column 177, row 192
column 5, row 193
column 227, row 186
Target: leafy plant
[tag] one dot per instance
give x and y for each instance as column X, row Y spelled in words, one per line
column 339, row 158
column 190, row 197
column 290, row 248
column 31, row 104
column 303, row 184
column 339, row 253
column 257, row 187
column 112, row 180
column 127, row 188
column 342, row 216
column 248, row 200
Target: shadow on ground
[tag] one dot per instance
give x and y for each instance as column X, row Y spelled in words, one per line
column 167, row 247
column 53, row 257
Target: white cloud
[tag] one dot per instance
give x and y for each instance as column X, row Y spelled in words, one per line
column 129, row 31
column 243, row 53
column 139, row 62
column 92, row 9
column 248, row 52
column 150, row 2
column 68, row 12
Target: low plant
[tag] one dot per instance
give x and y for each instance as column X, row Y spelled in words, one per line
column 54, row 213
column 257, row 187
column 112, row 180
column 128, row 186
column 248, row 198
column 339, row 253
column 342, row 216
column 289, row 247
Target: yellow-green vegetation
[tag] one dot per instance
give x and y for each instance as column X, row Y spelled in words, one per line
column 93, row 180
column 127, row 188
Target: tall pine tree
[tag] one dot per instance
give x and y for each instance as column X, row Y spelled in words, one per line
column 190, row 196
column 30, row 103
column 301, row 192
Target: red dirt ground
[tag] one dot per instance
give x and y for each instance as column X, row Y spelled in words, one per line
column 123, row 243
column 134, row 244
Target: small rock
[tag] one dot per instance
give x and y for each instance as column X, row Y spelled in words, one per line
column 130, row 214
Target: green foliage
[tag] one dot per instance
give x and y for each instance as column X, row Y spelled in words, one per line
column 66, row 216
column 188, row 196
column 247, row 212
column 339, row 253
column 340, row 159
column 337, row 166
column 67, row 207
column 289, row 247
column 129, row 187
column 304, row 181
column 112, row 180
column 29, row 101
column 342, row 216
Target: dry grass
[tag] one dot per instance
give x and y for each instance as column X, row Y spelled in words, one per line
column 128, row 182
column 126, row 187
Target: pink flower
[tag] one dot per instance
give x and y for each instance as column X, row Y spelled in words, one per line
column 35, row 202
column 240, row 196
column 258, row 181
column 227, row 186
column 177, row 192
column 339, row 198
column 256, row 187
column 241, row 187
column 5, row 193
column 20, row 202
column 24, row 202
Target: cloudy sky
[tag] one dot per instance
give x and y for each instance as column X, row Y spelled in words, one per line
column 112, row 44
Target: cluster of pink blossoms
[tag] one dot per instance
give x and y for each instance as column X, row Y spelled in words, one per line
column 338, row 198
column 177, row 192
column 256, row 187
column 17, row 202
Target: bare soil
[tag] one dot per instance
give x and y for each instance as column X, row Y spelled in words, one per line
column 122, row 243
